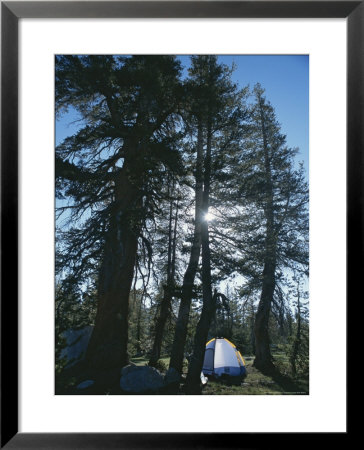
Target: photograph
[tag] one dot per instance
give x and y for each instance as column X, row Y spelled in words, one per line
column 181, row 212
column 181, row 224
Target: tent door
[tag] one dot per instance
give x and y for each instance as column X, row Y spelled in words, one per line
column 208, row 363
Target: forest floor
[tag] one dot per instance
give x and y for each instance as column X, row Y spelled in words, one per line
column 256, row 383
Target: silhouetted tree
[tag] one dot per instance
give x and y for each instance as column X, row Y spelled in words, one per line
column 274, row 195
column 112, row 169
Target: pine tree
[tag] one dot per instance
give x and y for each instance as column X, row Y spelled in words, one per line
column 274, row 198
column 220, row 110
column 111, row 171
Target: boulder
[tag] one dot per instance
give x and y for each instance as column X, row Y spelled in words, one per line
column 77, row 342
column 140, row 380
column 128, row 369
column 172, row 376
column 85, row 384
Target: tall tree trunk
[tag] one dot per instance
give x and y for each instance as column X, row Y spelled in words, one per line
column 263, row 357
column 203, row 326
column 209, row 300
column 252, row 326
column 107, row 348
column 297, row 341
column 180, row 334
column 165, row 305
column 139, row 320
column 159, row 326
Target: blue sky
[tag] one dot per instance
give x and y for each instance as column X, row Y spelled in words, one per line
column 286, row 81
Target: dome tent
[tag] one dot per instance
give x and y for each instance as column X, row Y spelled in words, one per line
column 223, row 358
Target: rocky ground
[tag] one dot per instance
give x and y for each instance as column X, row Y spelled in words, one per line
column 140, row 379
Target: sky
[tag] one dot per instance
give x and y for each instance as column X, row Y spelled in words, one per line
column 285, row 79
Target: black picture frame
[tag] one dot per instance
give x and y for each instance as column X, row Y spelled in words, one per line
column 11, row 12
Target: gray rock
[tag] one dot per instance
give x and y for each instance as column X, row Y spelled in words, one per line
column 172, row 376
column 85, row 384
column 127, row 369
column 140, row 379
column 77, row 342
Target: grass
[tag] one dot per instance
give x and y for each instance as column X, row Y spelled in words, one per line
column 256, row 383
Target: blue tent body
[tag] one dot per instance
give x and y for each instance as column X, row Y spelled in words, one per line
column 223, row 358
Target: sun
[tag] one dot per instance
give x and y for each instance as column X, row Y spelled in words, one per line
column 208, row 217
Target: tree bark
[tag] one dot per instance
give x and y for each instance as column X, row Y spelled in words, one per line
column 139, row 320
column 159, row 327
column 107, row 348
column 252, row 326
column 209, row 300
column 263, row 357
column 203, row 326
column 297, row 341
column 179, row 341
